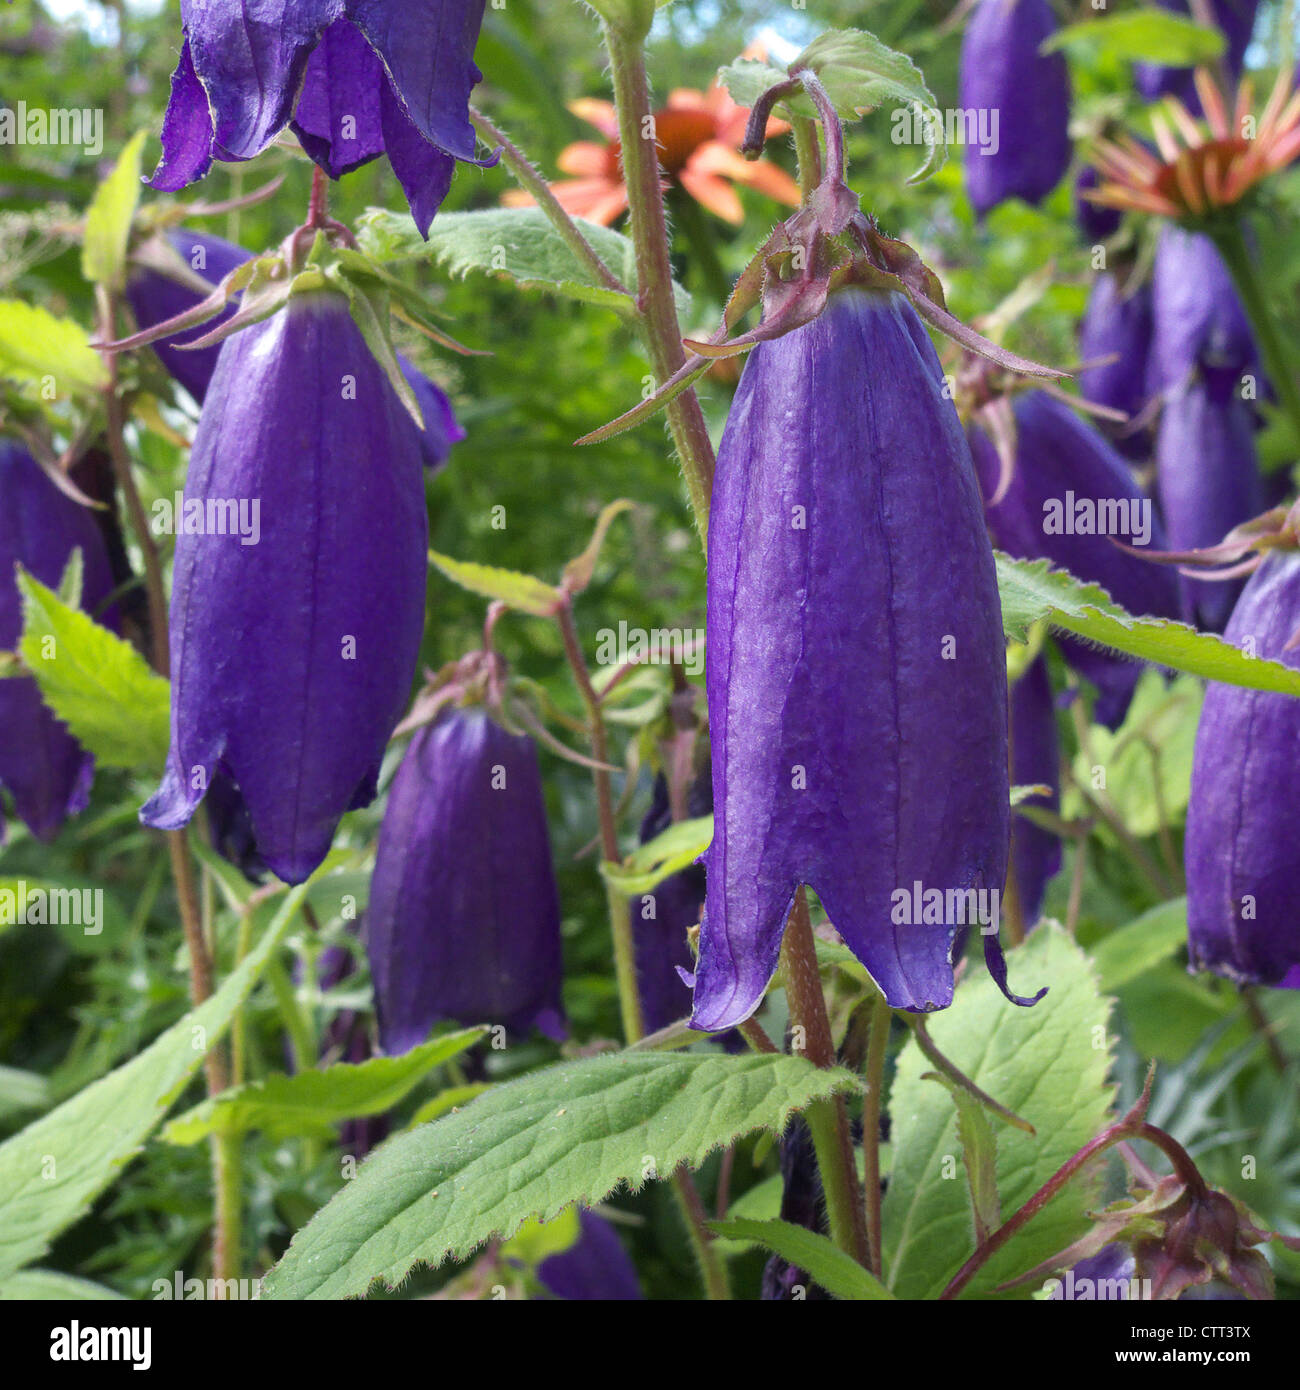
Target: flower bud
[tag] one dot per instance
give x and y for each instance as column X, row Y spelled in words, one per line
column 1197, row 318
column 294, row 643
column 464, row 918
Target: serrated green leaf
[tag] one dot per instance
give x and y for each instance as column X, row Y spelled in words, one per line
column 50, row 1286
column 669, row 852
column 1031, row 589
column 1048, row 1064
column 529, row 1148
column 979, row 1149
column 839, row 1274
column 1144, row 943
column 520, row 591
column 517, row 244
column 96, row 683
column 35, row 345
column 1146, row 35
column 51, row 1171
column 313, row 1102
column 108, row 219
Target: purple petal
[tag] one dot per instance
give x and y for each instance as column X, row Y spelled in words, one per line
column 595, row 1267
column 337, row 118
column 421, row 168
column 441, row 428
column 1035, row 761
column 186, row 132
column 1118, row 324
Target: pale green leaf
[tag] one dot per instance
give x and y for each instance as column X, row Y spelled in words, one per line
column 36, row 346
column 312, row 1102
column 520, row 591
column 51, row 1286
column 108, row 219
column 529, row 1148
column 819, row 1257
column 1146, row 35
column 1049, row 1065
column 1141, row 945
column 96, row 683
column 672, row 850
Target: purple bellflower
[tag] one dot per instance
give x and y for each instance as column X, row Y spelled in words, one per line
column 156, row 297
column 595, row 1267
column 1035, row 761
column 1117, row 324
column 464, row 918
column 293, row 655
column 1003, row 72
column 1236, row 18
column 1064, row 471
column 42, row 767
column 354, row 78
column 856, row 674
column 1242, row 853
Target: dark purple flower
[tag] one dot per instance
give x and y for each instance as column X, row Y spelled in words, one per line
column 43, row 768
column 802, row 1204
column 155, row 297
column 1236, row 18
column 1242, row 852
column 354, row 78
column 595, row 1267
column 1028, row 92
column 231, row 827
column 856, row 677
column 1095, row 221
column 1035, row 760
column 292, row 657
column 1106, row 1276
column 661, row 918
column 1070, row 493
column 1197, row 317
column 464, row 919
column 1208, row 479
column 347, row 1039
column 1117, row 324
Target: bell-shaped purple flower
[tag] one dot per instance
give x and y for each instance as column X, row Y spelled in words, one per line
column 1208, row 479
column 856, row 678
column 1241, row 851
column 1026, row 91
column 1117, row 325
column 1197, row 317
column 355, row 78
column 464, row 919
column 595, row 1267
column 42, row 767
column 1236, row 18
column 293, row 655
column 1070, row 493
column 1035, row 761
column 155, row 297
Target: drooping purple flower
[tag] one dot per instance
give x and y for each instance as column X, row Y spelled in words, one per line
column 802, row 1204
column 293, row 657
column 1242, row 852
column 1117, row 324
column 661, row 918
column 856, row 678
column 43, row 768
column 231, row 827
column 1096, row 222
column 595, row 1267
column 1208, row 479
column 1028, row 92
column 1236, row 18
column 1197, row 318
column 347, row 1039
column 1035, row 761
column 354, row 78
column 1069, row 494
column 464, row 919
column 155, row 297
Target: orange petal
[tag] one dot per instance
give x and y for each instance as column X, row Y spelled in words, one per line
column 1211, row 103
column 599, row 113
column 584, row 157
column 768, row 178
column 713, row 193
column 595, row 199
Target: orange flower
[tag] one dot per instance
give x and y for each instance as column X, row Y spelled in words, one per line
column 699, row 136
column 1201, row 170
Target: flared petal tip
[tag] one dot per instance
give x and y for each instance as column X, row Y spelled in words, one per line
column 997, row 967
column 171, row 806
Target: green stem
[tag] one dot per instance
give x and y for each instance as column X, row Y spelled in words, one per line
column 808, row 152
column 1231, row 243
column 874, row 1071
column 648, row 226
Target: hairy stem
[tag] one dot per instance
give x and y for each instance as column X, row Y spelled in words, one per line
column 874, row 1071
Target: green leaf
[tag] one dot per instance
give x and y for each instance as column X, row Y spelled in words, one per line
column 108, row 219
column 820, row 1257
column 50, row 1286
column 859, row 74
column 1145, row 35
column 669, row 852
column 51, row 1171
column 536, row 1240
column 1031, row 589
column 312, row 1102
column 450, row 1099
column 516, row 244
column 1047, row 1063
column 22, row 1090
column 979, row 1148
column 35, row 345
column 95, row 682
column 1144, row 943
column 529, row 1148
column 523, row 592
